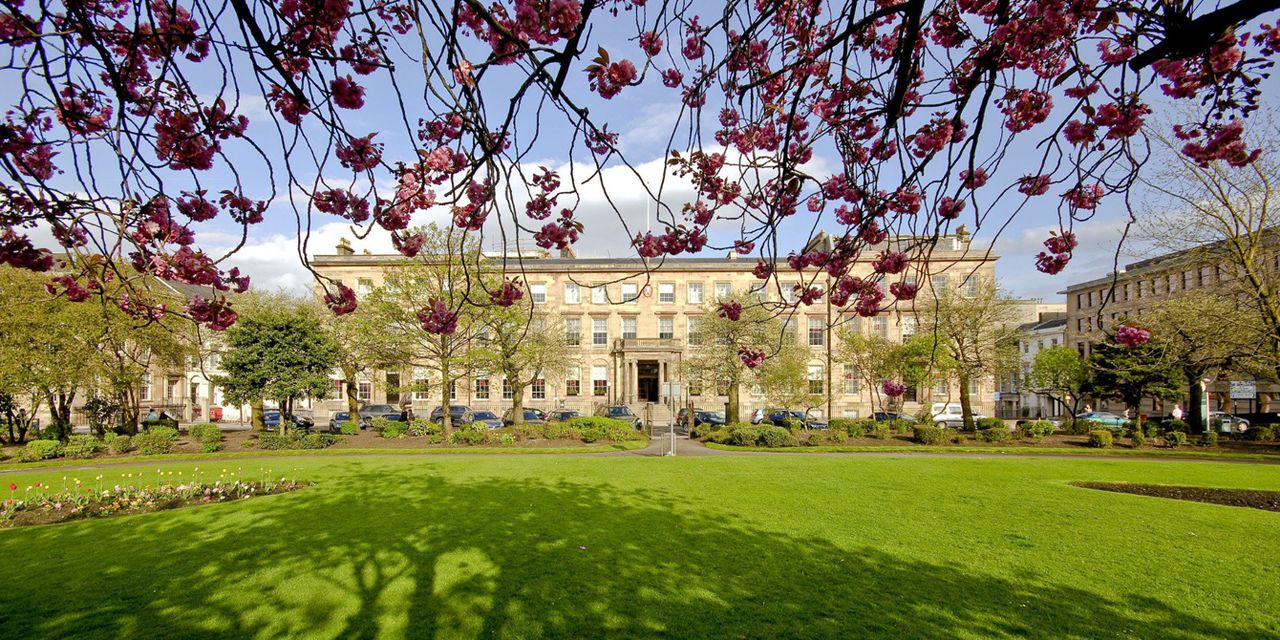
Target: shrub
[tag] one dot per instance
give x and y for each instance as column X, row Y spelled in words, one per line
column 1037, row 429
column 208, row 435
column 391, row 428
column 779, row 437
column 471, row 434
column 1081, row 427
column 1174, row 439
column 1174, row 424
column 526, row 431
column 119, row 444
column 315, row 441
column 1209, row 439
column 559, row 431
column 419, row 427
column 701, row 431
column 40, row 450
column 720, row 436
column 156, row 441
column 274, row 442
column 746, row 436
column 168, row 423
column 836, row 436
column 994, row 434
column 83, row 446
column 436, row 438
column 507, row 439
column 1260, row 433
column 601, row 428
column 1100, row 438
column 591, row 433
column 349, row 428
column 843, row 424
column 991, row 423
column 927, row 434
column 792, row 424
column 1138, row 439
column 880, row 430
column 1153, row 430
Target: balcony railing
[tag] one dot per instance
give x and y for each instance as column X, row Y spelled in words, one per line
column 626, row 344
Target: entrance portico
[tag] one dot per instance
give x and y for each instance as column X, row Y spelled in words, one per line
column 642, row 365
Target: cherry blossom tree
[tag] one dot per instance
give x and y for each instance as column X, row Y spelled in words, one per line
column 132, row 124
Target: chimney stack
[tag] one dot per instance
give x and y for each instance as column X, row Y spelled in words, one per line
column 344, row 248
column 568, row 252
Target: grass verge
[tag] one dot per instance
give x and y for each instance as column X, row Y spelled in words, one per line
column 1029, row 451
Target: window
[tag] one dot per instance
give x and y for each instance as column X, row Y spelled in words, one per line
column 1040, row 345
column 1206, row 275
column 628, row 328
column 453, row 389
column 599, row 380
column 722, row 386
column 364, row 391
column 666, row 328
column 940, row 388
column 170, row 390
column 1142, row 288
column 723, row 291
column 339, row 387
column 970, row 287
column 539, row 293
column 817, row 332
column 880, row 326
column 694, row 334
column 600, row 332
column 757, row 390
column 908, row 324
column 694, row 293
column 571, row 293
column 788, row 294
column 1026, row 347
column 507, row 392
column 364, row 287
column 600, row 294
column 539, row 389
column 1188, row 279
column 421, row 389
column 666, row 293
column 630, row 291
column 789, row 329
column 695, row 386
column 817, row 380
column 759, row 293
column 573, row 382
column 482, row 387
column 975, row 387
column 573, row 331
column 1079, row 300
column 939, row 284
column 1128, row 290
column 1053, row 342
column 1090, row 298
column 144, row 391
column 850, row 381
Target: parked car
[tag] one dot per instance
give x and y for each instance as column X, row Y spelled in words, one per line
column 1234, row 424
column 778, row 417
column 950, row 415
column 531, row 416
column 487, row 418
column 271, row 420
column 712, row 418
column 458, row 414
column 371, row 411
column 891, row 416
column 620, row 412
column 562, row 415
column 1104, row 418
column 337, row 419
column 757, row 416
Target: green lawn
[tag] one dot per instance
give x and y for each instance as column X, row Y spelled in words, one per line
column 722, row 547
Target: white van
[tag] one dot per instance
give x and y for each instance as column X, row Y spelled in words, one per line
column 949, row 414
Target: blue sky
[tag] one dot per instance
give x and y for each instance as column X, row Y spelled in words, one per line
column 644, row 117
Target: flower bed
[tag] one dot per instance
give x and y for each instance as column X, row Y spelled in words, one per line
column 38, row 504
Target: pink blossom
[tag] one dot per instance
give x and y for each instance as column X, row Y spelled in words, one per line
column 762, row 270
column 507, row 294
column 1061, row 243
column 730, row 310
column 890, row 262
column 437, row 318
column 893, row 389
column 1034, row 185
column 949, row 208
column 750, row 358
column 672, row 78
column 360, row 154
column 1084, row 196
column 1131, row 335
column 341, row 303
column 650, row 43
column 346, row 93
column 904, row 290
column 1052, row 264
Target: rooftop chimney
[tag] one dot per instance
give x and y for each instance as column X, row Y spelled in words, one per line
column 567, row 252
column 344, row 248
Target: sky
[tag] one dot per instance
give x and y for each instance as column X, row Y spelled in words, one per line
column 644, row 117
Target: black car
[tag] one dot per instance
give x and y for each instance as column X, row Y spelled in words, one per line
column 711, row 418
column 890, row 416
column 620, row 412
column 486, row 418
column 562, row 415
column 271, row 420
column 778, row 417
column 371, row 411
column 458, row 414
column 531, row 416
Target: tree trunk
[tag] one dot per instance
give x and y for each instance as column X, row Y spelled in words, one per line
column 256, row 418
column 517, row 402
column 286, row 415
column 966, row 410
column 1195, row 399
column 445, row 417
column 731, row 410
column 353, row 397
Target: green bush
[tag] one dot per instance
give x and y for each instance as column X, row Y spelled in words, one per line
column 40, row 450
column 925, row 434
column 390, row 428
column 701, row 431
column 720, row 436
column 436, row 438
column 167, row 423
column 507, row 439
column 881, row 430
column 1260, row 433
column 1082, row 427
column 1037, row 429
column 1138, row 439
column 420, row 427
column 601, row 428
column 1209, row 439
column 990, row 423
column 591, row 433
column 746, row 436
column 1101, row 438
column 83, row 446
column 995, row 434
column 792, row 424
column 1174, row 439
column 156, row 441
column 1153, row 430
column 843, row 424
column 315, row 441
column 208, row 435
column 836, row 436
column 118, row 444
column 1174, row 424
column 527, row 431
column 349, row 428
column 559, row 431
column 779, row 437
column 471, row 434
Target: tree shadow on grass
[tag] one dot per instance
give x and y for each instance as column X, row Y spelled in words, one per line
column 416, row 554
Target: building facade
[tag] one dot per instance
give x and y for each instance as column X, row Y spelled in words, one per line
column 632, row 332
column 1018, row 399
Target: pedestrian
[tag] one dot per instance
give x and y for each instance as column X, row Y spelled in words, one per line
column 1088, row 408
column 1177, row 412
column 409, row 414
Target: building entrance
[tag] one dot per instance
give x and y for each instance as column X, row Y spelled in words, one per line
column 647, row 380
